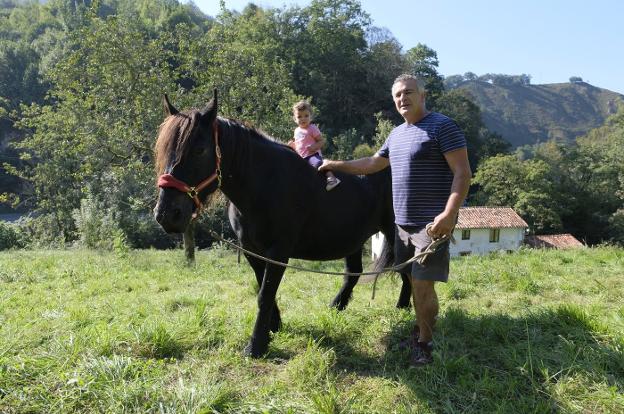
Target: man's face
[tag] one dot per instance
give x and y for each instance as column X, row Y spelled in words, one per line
column 408, row 101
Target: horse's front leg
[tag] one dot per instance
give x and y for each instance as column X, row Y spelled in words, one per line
column 259, row 342
column 258, row 266
column 353, row 264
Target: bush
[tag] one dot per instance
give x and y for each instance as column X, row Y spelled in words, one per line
column 96, row 225
column 9, row 236
column 45, row 231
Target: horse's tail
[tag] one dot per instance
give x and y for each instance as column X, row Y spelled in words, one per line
column 383, row 261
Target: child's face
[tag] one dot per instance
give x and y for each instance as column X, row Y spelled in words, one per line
column 302, row 118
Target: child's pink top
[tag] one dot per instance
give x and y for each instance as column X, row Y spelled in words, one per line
column 304, row 137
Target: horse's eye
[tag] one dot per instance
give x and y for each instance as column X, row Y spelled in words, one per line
column 200, row 151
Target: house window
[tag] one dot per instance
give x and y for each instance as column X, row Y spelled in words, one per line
column 465, row 234
column 494, row 235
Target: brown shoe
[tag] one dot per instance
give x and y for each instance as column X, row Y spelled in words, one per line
column 422, row 354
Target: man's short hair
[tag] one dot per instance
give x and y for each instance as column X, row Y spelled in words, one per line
column 406, row 76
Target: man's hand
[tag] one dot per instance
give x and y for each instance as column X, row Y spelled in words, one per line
column 325, row 166
column 443, row 225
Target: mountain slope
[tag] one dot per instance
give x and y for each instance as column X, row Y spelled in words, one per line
column 526, row 114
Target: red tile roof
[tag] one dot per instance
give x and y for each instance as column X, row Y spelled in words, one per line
column 488, row 218
column 555, row 241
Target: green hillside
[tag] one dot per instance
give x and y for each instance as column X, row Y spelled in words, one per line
column 526, row 114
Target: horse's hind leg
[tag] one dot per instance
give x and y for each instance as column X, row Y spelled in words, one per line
column 353, row 264
column 406, row 292
column 258, row 267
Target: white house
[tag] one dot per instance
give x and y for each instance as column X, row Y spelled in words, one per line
column 480, row 230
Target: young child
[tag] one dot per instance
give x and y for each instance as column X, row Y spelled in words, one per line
column 308, row 140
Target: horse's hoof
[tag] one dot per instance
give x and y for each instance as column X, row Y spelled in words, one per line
column 338, row 303
column 253, row 352
column 403, row 305
column 276, row 326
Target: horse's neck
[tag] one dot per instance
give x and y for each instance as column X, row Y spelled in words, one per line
column 238, row 152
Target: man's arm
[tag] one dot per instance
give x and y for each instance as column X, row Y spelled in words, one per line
column 367, row 165
column 458, row 162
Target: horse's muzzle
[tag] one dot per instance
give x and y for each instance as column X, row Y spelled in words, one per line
column 173, row 217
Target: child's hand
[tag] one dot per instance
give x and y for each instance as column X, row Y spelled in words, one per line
column 291, row 144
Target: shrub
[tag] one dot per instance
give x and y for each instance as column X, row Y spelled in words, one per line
column 96, row 225
column 9, row 236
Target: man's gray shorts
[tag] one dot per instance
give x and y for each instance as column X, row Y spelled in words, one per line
column 408, row 239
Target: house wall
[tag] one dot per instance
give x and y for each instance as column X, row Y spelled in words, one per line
column 479, row 242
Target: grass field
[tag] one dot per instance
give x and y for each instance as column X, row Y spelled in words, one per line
column 84, row 331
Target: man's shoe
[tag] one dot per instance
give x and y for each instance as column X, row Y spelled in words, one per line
column 422, row 354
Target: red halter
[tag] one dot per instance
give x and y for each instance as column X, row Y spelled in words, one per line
column 169, row 181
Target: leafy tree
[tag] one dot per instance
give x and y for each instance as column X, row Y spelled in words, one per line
column 492, row 143
column 596, row 165
column 423, row 62
column 453, row 81
column 504, row 180
column 239, row 57
column 458, row 105
column 95, row 137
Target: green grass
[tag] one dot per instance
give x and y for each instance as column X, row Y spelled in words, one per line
column 84, row 331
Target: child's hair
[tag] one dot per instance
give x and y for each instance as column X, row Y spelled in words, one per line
column 302, row 106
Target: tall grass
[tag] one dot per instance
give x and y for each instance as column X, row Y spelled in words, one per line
column 86, row 331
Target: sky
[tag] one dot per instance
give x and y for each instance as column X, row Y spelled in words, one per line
column 551, row 40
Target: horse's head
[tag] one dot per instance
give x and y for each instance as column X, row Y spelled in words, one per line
column 187, row 163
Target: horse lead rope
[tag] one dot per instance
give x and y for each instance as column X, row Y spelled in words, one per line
column 419, row 257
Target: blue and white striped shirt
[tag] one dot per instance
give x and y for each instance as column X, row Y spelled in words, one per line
column 421, row 177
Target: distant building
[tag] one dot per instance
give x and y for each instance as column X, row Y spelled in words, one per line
column 553, row 241
column 480, row 230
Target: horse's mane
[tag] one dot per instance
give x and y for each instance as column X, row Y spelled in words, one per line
column 175, row 132
column 253, row 132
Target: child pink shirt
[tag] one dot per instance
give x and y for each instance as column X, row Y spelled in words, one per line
column 304, row 137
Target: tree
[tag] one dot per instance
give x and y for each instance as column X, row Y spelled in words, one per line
column 94, row 138
column 453, row 81
column 492, row 143
column 423, row 62
column 459, row 106
column 504, row 180
column 240, row 57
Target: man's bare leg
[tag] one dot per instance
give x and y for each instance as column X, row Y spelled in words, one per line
column 426, row 307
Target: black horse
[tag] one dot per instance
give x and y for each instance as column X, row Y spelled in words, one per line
column 279, row 207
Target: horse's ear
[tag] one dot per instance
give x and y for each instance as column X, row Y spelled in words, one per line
column 169, row 109
column 209, row 113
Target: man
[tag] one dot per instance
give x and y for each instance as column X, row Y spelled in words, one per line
column 430, row 180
